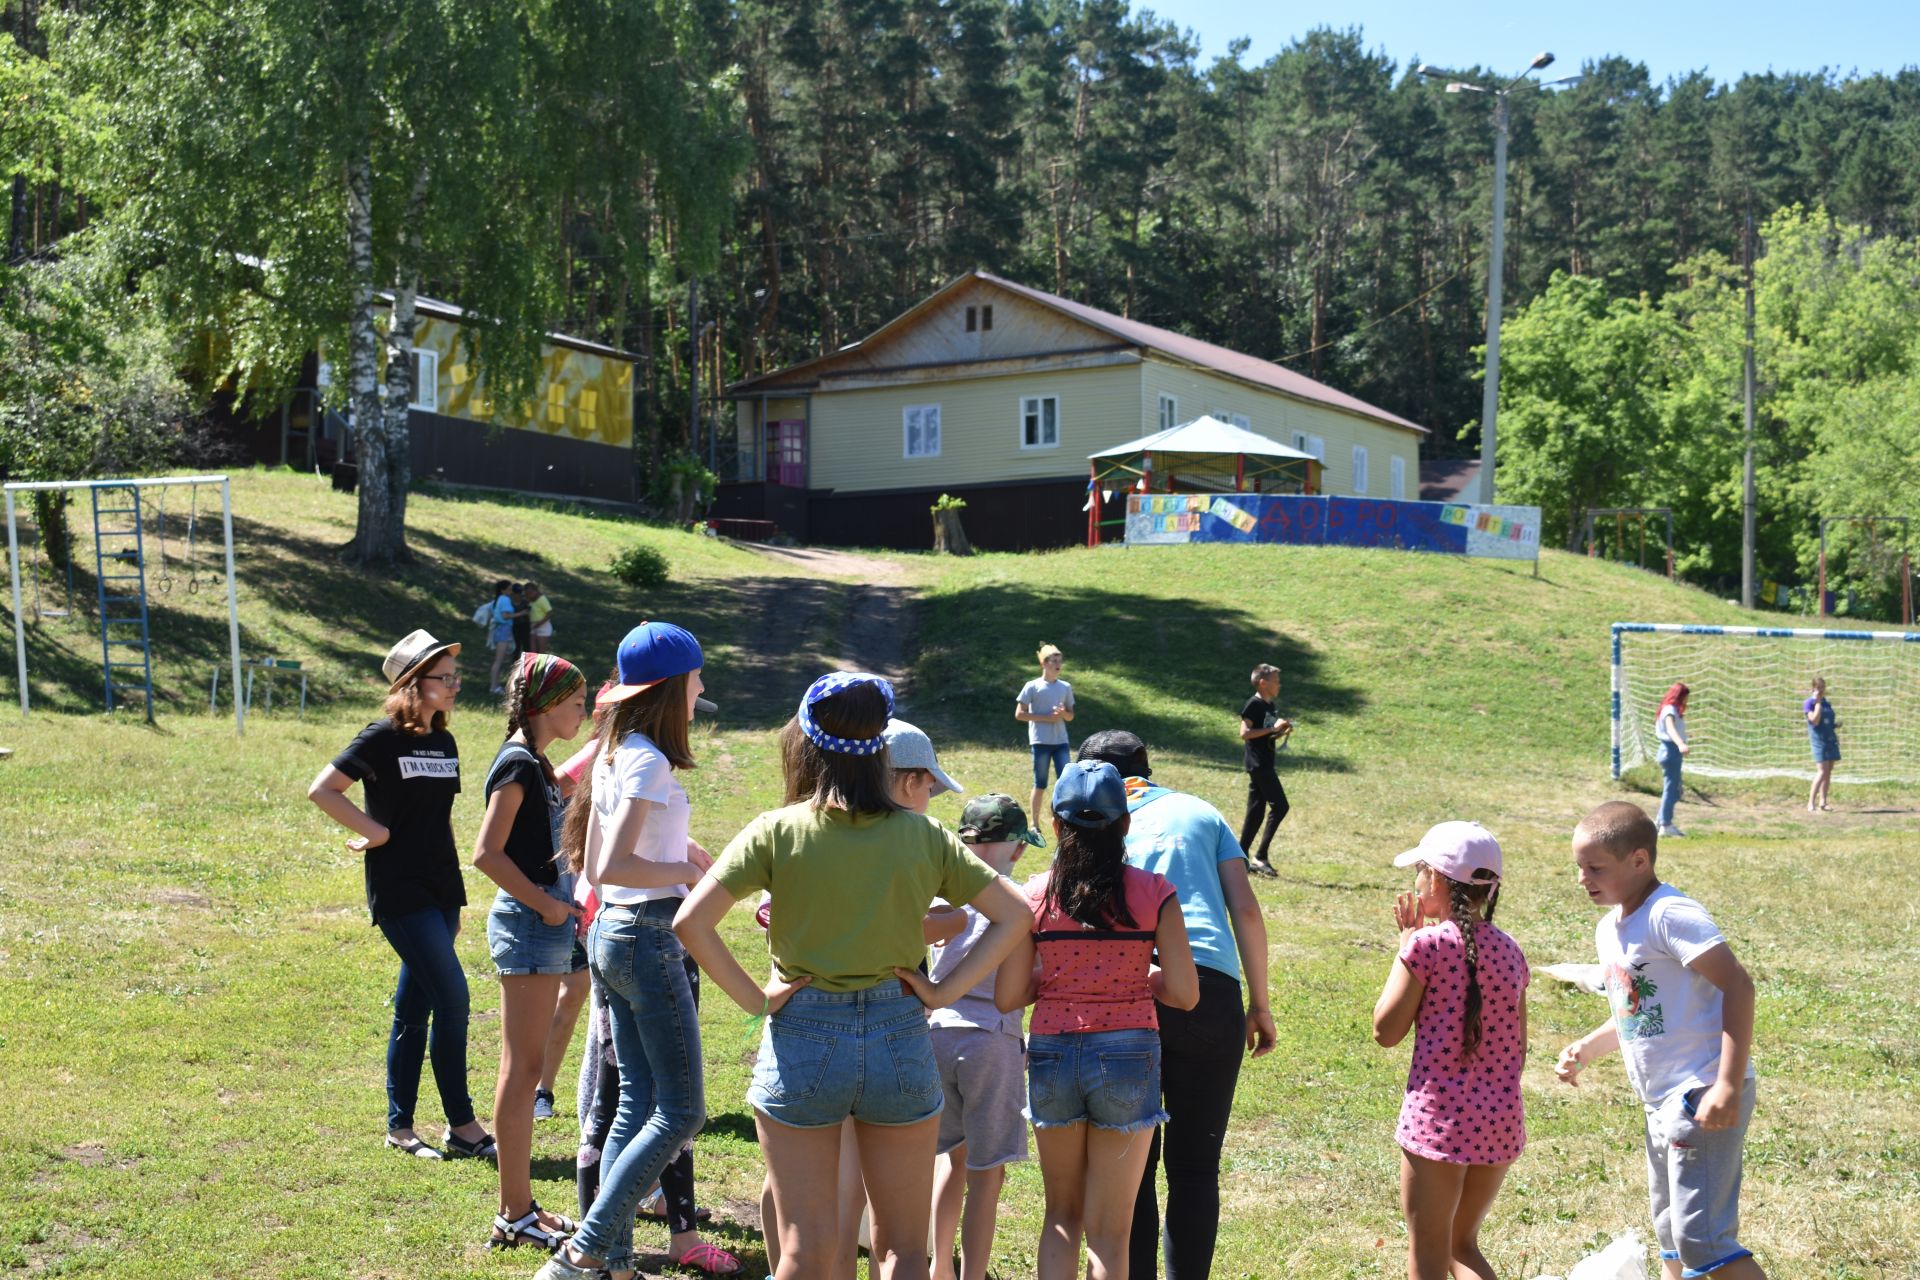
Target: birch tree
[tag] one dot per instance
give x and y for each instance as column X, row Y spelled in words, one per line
column 277, row 165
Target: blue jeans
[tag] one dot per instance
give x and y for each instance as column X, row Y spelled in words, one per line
column 432, row 991
column 1046, row 754
column 641, row 966
column 1670, row 759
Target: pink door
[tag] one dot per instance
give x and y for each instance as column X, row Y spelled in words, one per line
column 787, row 453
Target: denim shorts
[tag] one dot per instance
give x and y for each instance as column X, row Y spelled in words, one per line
column 1110, row 1079
column 1055, row 754
column 828, row 1055
column 522, row 943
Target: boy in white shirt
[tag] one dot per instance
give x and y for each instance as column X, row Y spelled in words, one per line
column 1683, row 1020
column 1045, row 706
column 981, row 1053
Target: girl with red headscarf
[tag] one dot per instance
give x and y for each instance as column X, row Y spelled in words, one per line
column 1670, row 727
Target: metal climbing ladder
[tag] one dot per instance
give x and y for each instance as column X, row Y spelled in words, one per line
column 120, row 577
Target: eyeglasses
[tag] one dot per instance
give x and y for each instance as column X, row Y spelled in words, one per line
column 451, row 681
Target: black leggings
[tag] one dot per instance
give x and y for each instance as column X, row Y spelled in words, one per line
column 1200, row 1053
column 1264, row 795
column 676, row 1180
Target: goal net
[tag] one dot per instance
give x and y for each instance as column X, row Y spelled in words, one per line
column 1744, row 716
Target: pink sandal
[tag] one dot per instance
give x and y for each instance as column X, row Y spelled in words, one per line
column 708, row 1258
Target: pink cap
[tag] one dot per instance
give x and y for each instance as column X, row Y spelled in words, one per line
column 1463, row 851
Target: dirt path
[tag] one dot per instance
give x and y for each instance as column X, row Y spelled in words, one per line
column 859, row 613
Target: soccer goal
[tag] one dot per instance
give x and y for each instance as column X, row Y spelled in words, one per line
column 1744, row 717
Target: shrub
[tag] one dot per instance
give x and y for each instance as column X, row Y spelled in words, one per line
column 640, row 566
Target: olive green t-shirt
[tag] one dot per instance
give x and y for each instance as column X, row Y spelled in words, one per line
column 848, row 891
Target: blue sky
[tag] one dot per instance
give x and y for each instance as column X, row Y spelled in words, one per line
column 1723, row 37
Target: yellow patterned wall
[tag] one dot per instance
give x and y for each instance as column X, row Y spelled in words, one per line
column 579, row 394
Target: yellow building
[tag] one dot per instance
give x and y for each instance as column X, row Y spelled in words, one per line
column 575, row 436
column 998, row 393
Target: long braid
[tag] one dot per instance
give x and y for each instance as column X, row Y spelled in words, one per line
column 1465, row 914
column 518, row 721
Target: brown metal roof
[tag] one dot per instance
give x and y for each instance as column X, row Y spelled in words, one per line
column 1192, row 351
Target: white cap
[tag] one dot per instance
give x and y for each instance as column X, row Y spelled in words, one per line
column 1462, row 851
column 909, row 748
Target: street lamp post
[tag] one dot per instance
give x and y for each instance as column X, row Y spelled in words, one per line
column 1496, row 263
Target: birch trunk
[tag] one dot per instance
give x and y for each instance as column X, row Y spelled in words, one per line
column 377, row 532
column 400, row 389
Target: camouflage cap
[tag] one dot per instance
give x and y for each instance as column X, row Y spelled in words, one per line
column 996, row 817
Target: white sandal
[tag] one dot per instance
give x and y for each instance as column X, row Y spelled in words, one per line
column 528, row 1230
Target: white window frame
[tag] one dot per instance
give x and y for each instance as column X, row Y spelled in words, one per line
column 1311, row 444
column 426, row 377
column 907, row 416
column 1359, row 477
column 1241, row 420
column 1397, row 478
column 1034, row 405
column 1169, row 411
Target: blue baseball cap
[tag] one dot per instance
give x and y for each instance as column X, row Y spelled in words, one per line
column 1090, row 794
column 652, row 652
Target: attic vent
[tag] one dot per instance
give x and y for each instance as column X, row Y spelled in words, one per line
column 973, row 319
column 986, row 317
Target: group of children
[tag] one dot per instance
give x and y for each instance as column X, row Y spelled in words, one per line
column 874, row 1060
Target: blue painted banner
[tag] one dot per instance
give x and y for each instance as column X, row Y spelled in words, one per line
column 1461, row 529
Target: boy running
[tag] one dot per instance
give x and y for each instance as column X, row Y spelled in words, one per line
column 1260, row 727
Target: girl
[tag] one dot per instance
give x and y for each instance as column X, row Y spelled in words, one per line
column 500, row 632
column 1823, row 737
column 628, row 834
column 1670, row 728
column 852, row 875
column 1093, row 1058
column 530, row 929
column 411, row 770
column 539, row 617
column 1046, row 705
column 1461, row 985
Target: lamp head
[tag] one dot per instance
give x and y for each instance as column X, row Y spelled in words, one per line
column 1540, row 61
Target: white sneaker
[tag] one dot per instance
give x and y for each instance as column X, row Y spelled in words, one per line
column 1672, row 831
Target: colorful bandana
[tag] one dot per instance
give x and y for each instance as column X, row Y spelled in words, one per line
column 825, row 687
column 546, row 682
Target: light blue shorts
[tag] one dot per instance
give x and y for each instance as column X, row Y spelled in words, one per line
column 828, row 1055
column 522, row 943
column 1109, row 1079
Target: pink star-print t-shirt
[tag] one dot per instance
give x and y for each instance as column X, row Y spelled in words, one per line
column 1465, row 1110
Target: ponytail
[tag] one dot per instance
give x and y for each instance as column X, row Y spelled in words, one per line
column 1088, row 882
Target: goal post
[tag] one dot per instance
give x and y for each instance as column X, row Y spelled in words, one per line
column 1745, row 716
column 136, row 484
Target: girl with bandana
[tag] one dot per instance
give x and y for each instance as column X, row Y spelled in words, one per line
column 530, row 928
column 853, row 874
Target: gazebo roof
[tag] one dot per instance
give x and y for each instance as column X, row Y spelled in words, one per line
column 1203, row 436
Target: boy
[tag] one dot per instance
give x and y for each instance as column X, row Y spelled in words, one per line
column 1683, row 1019
column 982, row 1061
column 1260, row 724
column 1045, row 706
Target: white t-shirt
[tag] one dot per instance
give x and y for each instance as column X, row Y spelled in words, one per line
column 976, row 1008
column 1671, row 726
column 1043, row 698
column 1668, row 1017
column 637, row 771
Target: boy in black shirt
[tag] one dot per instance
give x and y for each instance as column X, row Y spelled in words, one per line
column 1260, row 724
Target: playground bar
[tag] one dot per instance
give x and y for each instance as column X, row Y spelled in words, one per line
column 160, row 482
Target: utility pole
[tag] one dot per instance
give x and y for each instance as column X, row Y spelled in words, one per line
column 1747, row 493
column 1490, row 395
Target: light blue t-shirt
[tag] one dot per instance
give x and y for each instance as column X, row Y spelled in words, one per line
column 1185, row 839
column 502, row 611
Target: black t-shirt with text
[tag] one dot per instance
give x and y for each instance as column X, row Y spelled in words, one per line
column 533, row 838
column 1258, row 751
column 411, row 781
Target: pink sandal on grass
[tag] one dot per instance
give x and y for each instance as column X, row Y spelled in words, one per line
column 711, row 1259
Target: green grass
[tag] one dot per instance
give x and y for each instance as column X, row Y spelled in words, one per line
column 197, row 1006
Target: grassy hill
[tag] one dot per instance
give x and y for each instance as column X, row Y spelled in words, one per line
column 197, row 1006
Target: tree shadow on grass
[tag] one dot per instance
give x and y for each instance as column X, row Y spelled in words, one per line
column 1135, row 658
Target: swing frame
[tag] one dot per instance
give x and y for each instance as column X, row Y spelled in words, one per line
column 1620, row 516
column 153, row 482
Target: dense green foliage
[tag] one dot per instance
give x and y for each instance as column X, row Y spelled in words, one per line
column 1613, row 401
column 639, row 566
